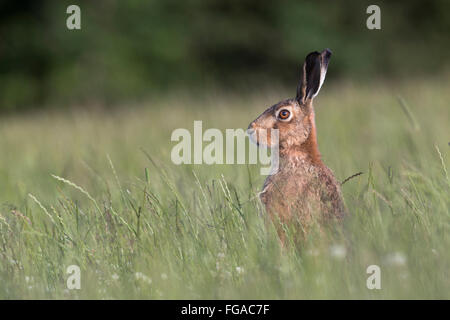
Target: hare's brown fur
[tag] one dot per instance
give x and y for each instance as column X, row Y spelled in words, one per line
column 303, row 190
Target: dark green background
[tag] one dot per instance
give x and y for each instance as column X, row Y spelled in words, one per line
column 128, row 50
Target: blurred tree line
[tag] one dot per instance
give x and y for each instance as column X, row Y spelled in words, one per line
column 127, row 49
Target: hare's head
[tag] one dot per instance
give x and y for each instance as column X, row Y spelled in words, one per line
column 294, row 118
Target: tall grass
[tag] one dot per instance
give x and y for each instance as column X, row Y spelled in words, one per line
column 98, row 190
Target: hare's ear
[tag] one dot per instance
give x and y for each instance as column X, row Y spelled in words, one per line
column 313, row 74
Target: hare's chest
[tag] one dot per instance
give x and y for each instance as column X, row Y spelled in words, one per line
column 287, row 192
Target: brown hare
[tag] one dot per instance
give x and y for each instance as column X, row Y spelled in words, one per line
column 303, row 189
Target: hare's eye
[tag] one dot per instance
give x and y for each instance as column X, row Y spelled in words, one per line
column 284, row 114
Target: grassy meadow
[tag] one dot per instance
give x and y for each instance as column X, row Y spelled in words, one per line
column 97, row 189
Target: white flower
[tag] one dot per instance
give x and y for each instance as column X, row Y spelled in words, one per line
column 404, row 276
column 163, row 276
column 115, row 276
column 338, row 251
column 320, row 280
column 396, row 259
column 313, row 252
column 143, row 277
column 239, row 270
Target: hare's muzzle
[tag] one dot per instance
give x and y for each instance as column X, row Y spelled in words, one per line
column 251, row 132
column 251, row 128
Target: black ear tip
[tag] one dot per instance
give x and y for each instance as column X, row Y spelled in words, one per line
column 327, row 53
column 312, row 55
